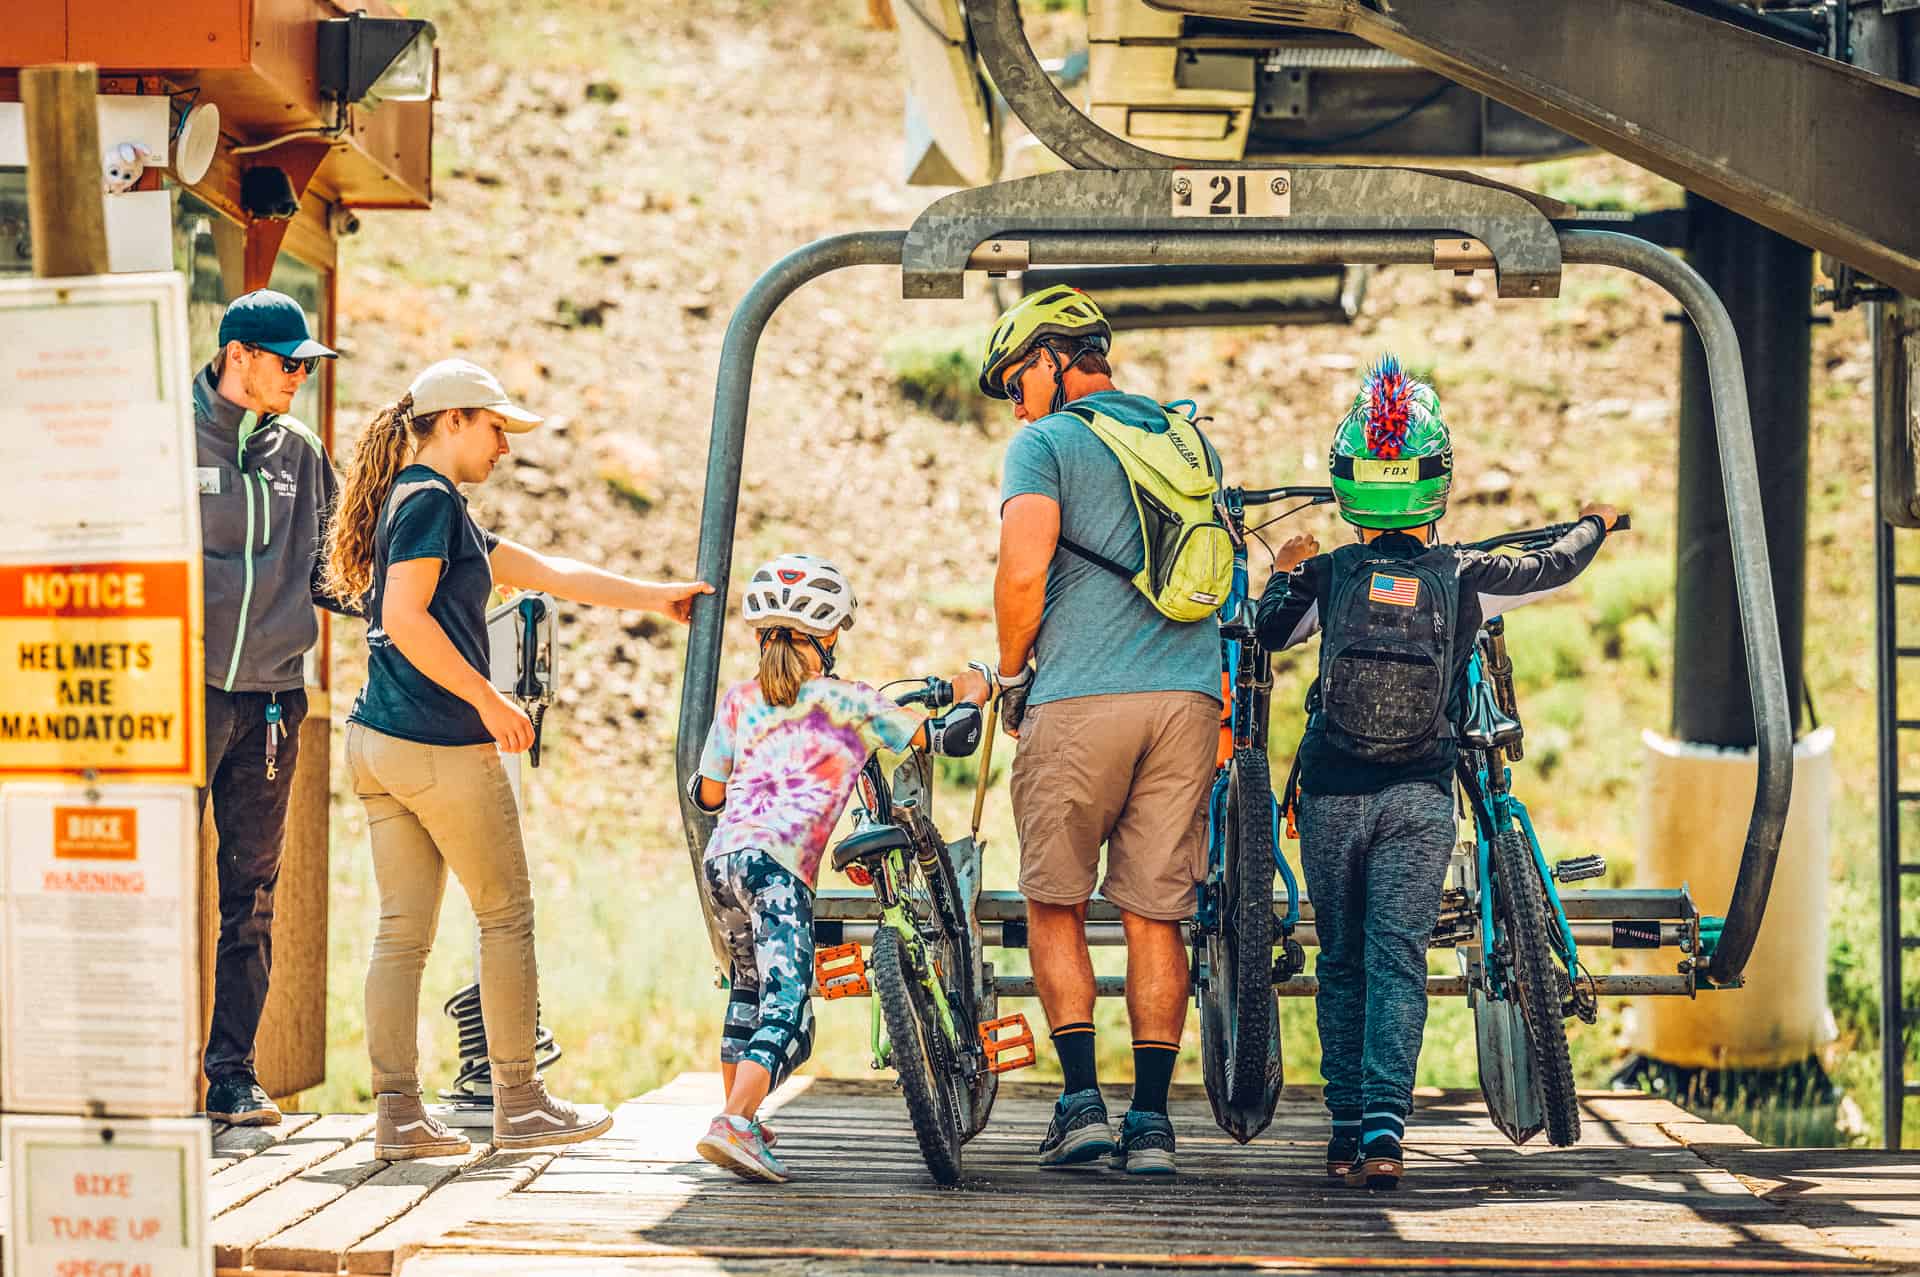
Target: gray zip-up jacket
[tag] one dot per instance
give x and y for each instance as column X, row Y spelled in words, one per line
column 266, row 492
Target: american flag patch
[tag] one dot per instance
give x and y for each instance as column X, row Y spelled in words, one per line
column 1401, row 591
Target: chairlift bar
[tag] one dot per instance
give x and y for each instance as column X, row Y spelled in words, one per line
column 1599, row 904
column 1013, row 935
column 960, row 222
column 1438, row 986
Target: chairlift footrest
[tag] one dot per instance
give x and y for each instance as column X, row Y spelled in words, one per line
column 841, row 971
column 1008, row 1042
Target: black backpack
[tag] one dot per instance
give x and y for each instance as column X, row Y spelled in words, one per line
column 1386, row 653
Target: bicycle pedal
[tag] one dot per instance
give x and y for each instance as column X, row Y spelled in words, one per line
column 1290, row 962
column 841, row 972
column 1018, row 1043
column 1579, row 868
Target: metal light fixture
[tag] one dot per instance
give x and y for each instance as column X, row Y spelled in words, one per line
column 362, row 59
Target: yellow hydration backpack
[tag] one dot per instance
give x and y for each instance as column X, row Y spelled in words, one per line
column 1186, row 552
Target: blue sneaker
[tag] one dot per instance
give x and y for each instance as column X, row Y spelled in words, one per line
column 1079, row 1132
column 1146, row 1144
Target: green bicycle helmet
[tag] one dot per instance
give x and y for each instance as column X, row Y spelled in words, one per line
column 1392, row 457
column 1060, row 311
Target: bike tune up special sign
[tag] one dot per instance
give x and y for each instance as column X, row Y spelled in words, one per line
column 107, row 1198
column 100, row 670
column 99, row 1002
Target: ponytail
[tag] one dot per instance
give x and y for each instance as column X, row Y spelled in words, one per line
column 782, row 667
column 379, row 456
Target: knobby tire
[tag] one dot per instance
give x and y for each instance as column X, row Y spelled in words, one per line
column 1523, row 906
column 1249, row 923
column 925, row 1079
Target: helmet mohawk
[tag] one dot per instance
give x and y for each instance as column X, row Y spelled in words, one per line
column 1389, row 401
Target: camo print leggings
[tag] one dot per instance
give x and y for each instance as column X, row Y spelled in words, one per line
column 765, row 915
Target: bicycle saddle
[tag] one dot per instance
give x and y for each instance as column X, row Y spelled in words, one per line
column 869, row 842
column 1488, row 727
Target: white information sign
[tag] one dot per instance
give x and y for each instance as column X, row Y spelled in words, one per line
column 99, row 992
column 96, row 420
column 107, row 1198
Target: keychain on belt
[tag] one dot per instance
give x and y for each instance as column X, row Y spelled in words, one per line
column 274, row 732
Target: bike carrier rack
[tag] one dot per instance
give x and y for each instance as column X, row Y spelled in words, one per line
column 1331, row 215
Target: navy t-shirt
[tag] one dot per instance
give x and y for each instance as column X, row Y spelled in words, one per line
column 426, row 518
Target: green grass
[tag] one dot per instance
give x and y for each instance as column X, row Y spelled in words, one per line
column 939, row 370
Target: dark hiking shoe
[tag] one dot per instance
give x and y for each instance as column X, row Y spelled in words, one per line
column 1342, row 1152
column 238, row 1099
column 1380, row 1166
column 1079, row 1132
column 1146, row 1144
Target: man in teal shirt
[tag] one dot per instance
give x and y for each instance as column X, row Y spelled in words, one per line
column 1118, row 723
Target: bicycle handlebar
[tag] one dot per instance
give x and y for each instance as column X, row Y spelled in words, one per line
column 936, row 694
column 1266, row 496
column 1539, row 538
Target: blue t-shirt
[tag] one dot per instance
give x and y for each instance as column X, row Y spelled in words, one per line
column 1099, row 635
column 426, row 518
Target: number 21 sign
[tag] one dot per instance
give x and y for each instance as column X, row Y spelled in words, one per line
column 1232, row 193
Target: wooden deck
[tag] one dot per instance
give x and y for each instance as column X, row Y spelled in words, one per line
column 1649, row 1189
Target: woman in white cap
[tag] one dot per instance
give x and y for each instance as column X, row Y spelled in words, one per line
column 425, row 735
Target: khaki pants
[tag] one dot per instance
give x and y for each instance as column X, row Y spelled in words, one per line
column 431, row 807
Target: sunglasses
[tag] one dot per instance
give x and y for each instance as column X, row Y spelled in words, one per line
column 1012, row 383
column 290, row 365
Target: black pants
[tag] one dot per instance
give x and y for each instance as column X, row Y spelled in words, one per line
column 250, row 812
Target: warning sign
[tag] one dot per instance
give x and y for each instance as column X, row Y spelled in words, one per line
column 100, row 669
column 98, row 929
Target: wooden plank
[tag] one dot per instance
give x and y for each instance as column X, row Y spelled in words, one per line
column 280, row 1162
column 1632, row 1194
column 473, row 1193
column 236, row 1233
column 320, row 1241
column 233, row 1145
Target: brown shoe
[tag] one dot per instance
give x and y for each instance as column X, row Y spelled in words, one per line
column 527, row 1117
column 404, row 1129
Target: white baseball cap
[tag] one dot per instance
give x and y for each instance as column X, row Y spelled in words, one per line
column 461, row 383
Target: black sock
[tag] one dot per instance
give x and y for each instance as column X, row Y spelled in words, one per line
column 1073, row 1043
column 1152, row 1070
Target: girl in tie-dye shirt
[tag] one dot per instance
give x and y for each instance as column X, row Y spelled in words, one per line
column 780, row 761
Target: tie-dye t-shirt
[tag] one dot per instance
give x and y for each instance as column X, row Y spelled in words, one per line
column 790, row 768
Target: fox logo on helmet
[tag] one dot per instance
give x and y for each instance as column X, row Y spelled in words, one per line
column 790, row 576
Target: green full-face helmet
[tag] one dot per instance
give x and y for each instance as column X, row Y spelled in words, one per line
column 1392, row 459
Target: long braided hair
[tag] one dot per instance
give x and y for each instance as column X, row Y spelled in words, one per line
column 382, row 452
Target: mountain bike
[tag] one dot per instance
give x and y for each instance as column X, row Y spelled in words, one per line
column 1234, row 929
column 1502, row 909
column 935, row 1015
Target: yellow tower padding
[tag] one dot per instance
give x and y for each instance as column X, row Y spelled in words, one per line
column 1694, row 825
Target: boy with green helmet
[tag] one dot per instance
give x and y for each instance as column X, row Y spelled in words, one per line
column 1397, row 613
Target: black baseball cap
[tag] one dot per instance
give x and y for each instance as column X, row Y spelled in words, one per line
column 272, row 321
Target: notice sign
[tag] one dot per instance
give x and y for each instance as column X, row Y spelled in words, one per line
column 99, row 986
column 100, row 670
column 96, row 420
column 106, row 1198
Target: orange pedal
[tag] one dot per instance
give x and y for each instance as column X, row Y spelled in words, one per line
column 841, row 971
column 1017, row 1041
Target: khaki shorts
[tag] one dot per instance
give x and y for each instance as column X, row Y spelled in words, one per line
column 1130, row 770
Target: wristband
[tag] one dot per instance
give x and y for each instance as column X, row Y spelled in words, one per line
column 1012, row 683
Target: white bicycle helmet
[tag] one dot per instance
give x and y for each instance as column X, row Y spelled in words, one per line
column 801, row 590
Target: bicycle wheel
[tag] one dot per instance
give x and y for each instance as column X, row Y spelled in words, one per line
column 1536, row 980
column 957, row 959
column 920, row 1056
column 1239, row 1013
